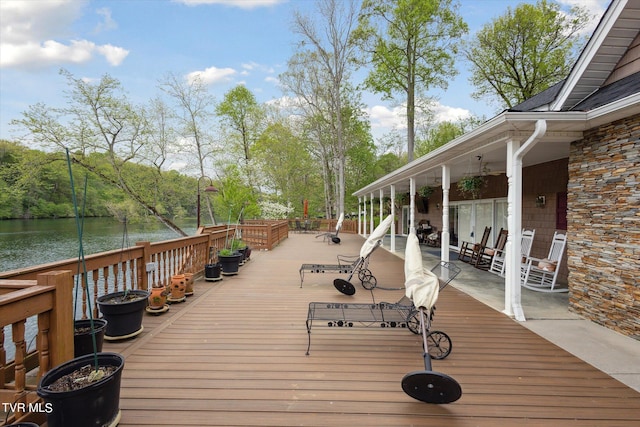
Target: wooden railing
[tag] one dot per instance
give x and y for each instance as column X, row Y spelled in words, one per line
column 329, row 225
column 138, row 267
column 48, row 299
column 147, row 264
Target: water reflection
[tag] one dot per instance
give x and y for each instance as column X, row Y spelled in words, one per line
column 24, row 243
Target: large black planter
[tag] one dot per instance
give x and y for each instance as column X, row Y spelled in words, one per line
column 95, row 405
column 230, row 263
column 83, row 341
column 212, row 272
column 123, row 315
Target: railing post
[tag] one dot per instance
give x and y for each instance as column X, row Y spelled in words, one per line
column 269, row 237
column 143, row 277
column 61, row 317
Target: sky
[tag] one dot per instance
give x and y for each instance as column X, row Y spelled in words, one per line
column 225, row 42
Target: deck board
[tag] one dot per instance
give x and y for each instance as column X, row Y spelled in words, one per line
column 234, row 354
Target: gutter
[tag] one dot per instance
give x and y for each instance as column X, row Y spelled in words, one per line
column 513, row 303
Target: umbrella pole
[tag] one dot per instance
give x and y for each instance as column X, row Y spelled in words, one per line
column 430, row 386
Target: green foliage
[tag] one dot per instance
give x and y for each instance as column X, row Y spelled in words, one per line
column 411, row 45
column 471, row 186
column 524, row 51
column 236, row 196
column 35, row 184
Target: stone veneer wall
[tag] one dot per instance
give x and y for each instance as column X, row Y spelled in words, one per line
column 603, row 222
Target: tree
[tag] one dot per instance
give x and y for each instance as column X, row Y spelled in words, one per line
column 411, row 45
column 242, row 115
column 195, row 105
column 332, row 49
column 524, row 51
column 97, row 119
column 443, row 132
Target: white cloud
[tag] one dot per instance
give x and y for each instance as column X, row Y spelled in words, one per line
column 212, row 75
column 114, row 54
column 35, row 34
column 243, row 4
column 385, row 118
column 444, row 113
column 108, row 23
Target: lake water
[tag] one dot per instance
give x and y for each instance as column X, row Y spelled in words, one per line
column 24, row 243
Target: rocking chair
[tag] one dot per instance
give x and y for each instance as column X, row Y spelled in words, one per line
column 541, row 274
column 469, row 249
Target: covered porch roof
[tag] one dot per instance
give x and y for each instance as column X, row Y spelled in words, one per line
column 489, row 141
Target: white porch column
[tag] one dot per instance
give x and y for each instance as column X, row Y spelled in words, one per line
column 381, row 195
column 412, row 204
column 371, row 216
column 364, row 216
column 393, row 215
column 360, row 215
column 514, row 222
column 444, row 238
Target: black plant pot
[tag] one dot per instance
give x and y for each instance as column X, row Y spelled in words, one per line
column 243, row 252
column 83, row 341
column 212, row 272
column 124, row 317
column 230, row 263
column 95, row 405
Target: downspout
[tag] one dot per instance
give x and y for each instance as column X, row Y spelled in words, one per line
column 513, row 291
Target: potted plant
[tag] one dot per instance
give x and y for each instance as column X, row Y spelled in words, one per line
column 425, row 191
column 212, row 272
column 158, row 300
column 230, row 261
column 240, row 246
column 178, row 287
column 123, row 311
column 84, row 391
column 471, row 185
column 85, row 332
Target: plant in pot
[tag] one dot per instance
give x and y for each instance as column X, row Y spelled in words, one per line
column 123, row 311
column 158, row 300
column 230, row 261
column 213, row 268
column 177, row 288
column 240, row 246
column 85, row 333
column 84, row 391
column 471, row 186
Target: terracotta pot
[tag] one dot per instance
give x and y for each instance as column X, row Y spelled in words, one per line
column 188, row 277
column 178, row 286
column 158, row 298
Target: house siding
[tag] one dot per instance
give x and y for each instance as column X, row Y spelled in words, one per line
column 603, row 222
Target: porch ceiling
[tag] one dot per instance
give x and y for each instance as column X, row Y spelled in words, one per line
column 488, row 144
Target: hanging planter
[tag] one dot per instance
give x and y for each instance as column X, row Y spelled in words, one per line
column 80, row 398
column 471, row 186
column 425, row 191
column 123, row 311
column 84, row 332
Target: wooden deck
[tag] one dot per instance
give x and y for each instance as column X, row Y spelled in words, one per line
column 234, row 354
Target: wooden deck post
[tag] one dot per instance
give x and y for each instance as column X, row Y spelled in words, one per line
column 61, row 318
column 143, row 279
